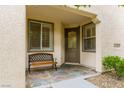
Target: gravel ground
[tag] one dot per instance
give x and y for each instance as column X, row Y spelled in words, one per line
column 107, row 80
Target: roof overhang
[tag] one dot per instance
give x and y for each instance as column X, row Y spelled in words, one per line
column 67, row 15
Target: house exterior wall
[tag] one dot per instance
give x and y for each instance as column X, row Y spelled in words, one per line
column 13, row 43
column 109, row 32
column 88, row 59
column 12, row 46
column 58, row 37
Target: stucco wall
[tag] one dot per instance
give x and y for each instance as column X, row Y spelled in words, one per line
column 113, row 31
column 88, row 59
column 12, row 46
column 62, row 44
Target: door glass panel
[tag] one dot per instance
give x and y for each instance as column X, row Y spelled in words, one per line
column 72, row 40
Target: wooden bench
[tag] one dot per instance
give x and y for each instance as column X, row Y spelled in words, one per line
column 40, row 59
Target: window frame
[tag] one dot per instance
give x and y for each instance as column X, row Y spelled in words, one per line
column 28, row 36
column 87, row 38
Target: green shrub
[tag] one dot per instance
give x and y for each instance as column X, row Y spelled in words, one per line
column 114, row 63
column 120, row 68
column 110, row 62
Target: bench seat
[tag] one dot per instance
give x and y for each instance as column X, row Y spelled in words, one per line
column 42, row 63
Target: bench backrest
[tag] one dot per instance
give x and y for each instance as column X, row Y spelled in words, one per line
column 40, row 57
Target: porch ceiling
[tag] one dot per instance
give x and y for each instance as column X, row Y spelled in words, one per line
column 66, row 15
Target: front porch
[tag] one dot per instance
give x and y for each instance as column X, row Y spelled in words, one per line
column 48, row 77
column 67, row 33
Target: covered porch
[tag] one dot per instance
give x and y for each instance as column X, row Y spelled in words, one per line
column 67, row 33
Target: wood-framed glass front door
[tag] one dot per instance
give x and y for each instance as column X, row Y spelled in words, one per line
column 72, row 45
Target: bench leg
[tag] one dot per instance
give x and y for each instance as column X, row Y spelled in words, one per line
column 29, row 69
column 52, row 66
column 55, row 67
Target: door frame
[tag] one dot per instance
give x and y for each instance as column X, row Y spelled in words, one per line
column 78, row 63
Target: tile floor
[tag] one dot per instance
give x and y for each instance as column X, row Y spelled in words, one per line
column 44, row 77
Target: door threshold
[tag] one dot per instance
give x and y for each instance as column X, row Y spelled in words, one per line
column 73, row 63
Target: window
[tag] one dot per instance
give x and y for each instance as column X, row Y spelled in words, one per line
column 89, row 37
column 40, row 36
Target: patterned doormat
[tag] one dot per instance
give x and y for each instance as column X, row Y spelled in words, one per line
column 42, row 77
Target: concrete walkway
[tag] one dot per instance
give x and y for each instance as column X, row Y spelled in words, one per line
column 78, row 82
column 74, row 83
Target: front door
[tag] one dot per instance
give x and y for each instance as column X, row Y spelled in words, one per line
column 72, row 45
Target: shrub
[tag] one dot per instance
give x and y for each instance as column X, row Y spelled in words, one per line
column 120, row 68
column 115, row 63
column 110, row 62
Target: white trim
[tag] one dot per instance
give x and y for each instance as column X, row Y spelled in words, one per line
column 96, row 21
column 72, row 63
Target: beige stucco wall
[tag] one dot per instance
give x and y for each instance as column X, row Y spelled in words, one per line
column 88, row 59
column 12, row 46
column 62, row 44
column 108, row 32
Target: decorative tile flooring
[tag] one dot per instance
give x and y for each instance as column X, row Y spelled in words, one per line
column 44, row 77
